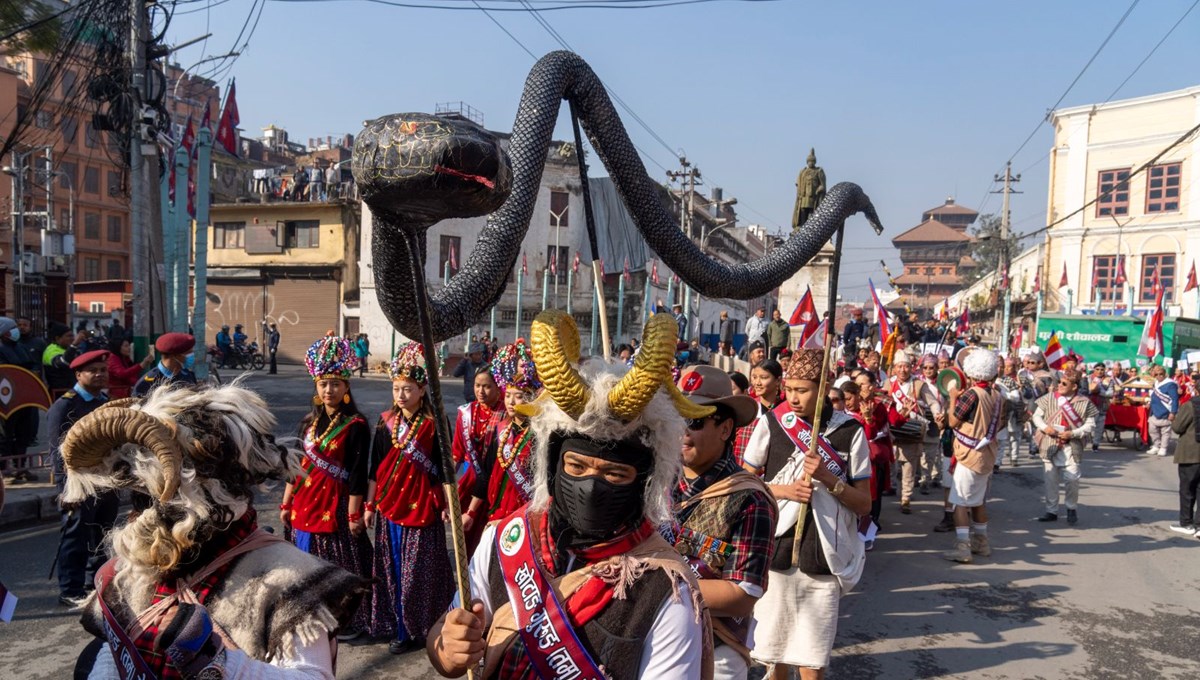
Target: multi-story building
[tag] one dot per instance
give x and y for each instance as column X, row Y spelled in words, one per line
column 936, row 255
column 292, row 263
column 73, row 180
column 1114, row 225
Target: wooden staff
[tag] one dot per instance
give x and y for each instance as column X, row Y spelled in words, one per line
column 822, row 384
column 445, row 457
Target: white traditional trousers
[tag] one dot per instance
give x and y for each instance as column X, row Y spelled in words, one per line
column 1068, row 474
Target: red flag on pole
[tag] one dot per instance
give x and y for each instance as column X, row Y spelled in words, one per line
column 1063, row 283
column 206, row 119
column 654, row 272
column 1018, row 339
column 625, row 272
column 524, row 265
column 1037, row 281
column 1151, row 344
column 1191, row 280
column 964, row 321
column 805, row 313
column 1004, row 276
column 816, row 339
column 453, row 258
column 1095, row 277
column 189, row 143
column 554, row 265
column 881, row 315
column 575, row 264
column 1121, row 278
column 227, row 128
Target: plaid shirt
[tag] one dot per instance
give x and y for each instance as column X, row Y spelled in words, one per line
column 752, row 538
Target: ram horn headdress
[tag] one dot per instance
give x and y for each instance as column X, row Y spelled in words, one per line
column 94, row 437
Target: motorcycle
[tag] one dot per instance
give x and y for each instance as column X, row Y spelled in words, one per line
column 241, row 357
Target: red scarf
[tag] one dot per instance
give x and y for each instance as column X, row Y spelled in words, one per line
column 593, row 596
column 213, row 548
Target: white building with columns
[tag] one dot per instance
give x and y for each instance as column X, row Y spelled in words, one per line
column 1143, row 223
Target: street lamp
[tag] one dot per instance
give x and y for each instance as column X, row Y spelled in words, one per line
column 17, row 172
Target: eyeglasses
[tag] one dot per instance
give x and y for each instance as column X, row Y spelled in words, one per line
column 697, row 424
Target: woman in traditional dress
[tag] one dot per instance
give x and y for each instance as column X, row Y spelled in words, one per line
column 766, row 380
column 473, row 432
column 505, row 480
column 413, row 583
column 322, row 509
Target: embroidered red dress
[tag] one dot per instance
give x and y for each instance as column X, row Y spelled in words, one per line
column 507, row 480
column 413, row 579
column 473, row 432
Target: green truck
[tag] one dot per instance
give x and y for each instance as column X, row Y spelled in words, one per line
column 1116, row 338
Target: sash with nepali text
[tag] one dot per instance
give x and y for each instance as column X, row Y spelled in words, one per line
column 551, row 644
column 800, row 432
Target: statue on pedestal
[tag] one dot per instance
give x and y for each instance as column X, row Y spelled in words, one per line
column 810, row 189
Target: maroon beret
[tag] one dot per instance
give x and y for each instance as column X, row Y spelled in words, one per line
column 89, row 358
column 175, row 343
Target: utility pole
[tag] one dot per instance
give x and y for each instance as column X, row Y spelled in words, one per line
column 141, row 180
column 692, row 176
column 1006, row 249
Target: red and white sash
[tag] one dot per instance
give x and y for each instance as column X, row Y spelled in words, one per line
column 466, row 415
column 551, row 644
column 800, row 432
column 902, row 398
column 128, row 660
column 510, row 461
column 1069, row 415
column 1167, row 401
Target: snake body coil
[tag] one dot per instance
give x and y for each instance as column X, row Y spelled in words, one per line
column 414, row 170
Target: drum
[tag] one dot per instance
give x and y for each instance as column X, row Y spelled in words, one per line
column 910, row 431
column 951, row 377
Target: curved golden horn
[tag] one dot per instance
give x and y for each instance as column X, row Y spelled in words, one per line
column 686, row 407
column 651, row 369
column 99, row 432
column 554, row 339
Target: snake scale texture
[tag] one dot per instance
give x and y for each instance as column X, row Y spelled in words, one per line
column 415, row 169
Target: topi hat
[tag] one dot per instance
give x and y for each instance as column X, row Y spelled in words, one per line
column 805, row 365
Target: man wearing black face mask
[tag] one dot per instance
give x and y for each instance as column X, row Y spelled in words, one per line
column 726, row 518
column 578, row 580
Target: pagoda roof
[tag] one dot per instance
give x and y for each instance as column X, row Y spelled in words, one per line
column 931, row 231
column 950, row 208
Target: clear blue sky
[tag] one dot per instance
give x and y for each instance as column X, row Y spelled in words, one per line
column 915, row 101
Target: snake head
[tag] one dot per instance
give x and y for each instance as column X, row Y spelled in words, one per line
column 428, row 168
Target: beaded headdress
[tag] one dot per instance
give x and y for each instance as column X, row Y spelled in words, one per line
column 410, row 363
column 331, row 357
column 513, row 367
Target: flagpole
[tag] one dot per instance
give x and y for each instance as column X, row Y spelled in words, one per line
column 621, row 307
column 595, row 319
column 204, row 141
column 546, row 287
column 570, row 281
column 168, row 223
column 823, row 380
column 646, row 301
column 520, row 285
column 598, row 301
column 445, row 349
column 671, row 292
column 176, row 274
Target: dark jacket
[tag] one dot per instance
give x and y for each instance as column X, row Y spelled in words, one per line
column 855, row 331
column 726, row 331
column 778, row 333
column 1187, row 449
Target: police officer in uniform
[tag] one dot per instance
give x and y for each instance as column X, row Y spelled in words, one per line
column 171, row 368
column 80, row 550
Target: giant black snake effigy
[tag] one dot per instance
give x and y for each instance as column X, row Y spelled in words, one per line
column 414, row 170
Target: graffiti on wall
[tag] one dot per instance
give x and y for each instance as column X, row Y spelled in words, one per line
column 252, row 309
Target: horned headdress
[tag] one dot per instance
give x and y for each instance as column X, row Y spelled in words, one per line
column 605, row 401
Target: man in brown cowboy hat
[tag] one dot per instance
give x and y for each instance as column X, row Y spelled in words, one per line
column 725, row 517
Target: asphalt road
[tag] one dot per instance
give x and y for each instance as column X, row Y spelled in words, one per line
column 1114, row 597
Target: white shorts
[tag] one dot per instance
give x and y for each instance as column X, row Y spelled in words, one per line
column 968, row 488
column 728, row 664
column 797, row 620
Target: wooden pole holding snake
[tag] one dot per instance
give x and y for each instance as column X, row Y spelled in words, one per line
column 590, row 220
column 823, row 383
column 449, row 484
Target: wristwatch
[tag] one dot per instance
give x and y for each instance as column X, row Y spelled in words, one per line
column 838, row 489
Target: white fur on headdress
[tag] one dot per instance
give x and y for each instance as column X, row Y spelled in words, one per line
column 981, row 364
column 661, row 425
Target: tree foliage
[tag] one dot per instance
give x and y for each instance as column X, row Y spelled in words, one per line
column 986, row 250
column 29, row 26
